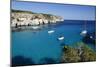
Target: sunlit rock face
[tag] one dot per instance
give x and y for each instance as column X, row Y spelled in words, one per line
column 25, row 18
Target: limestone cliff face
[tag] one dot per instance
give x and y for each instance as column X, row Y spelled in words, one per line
column 22, row 18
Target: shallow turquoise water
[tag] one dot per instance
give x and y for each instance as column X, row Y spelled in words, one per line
column 39, row 44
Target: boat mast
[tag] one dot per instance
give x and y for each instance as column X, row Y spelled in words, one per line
column 85, row 25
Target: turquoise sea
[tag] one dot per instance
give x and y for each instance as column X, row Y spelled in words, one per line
column 38, row 44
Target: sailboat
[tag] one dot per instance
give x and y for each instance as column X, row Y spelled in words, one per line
column 84, row 32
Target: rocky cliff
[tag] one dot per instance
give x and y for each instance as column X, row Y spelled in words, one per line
column 26, row 18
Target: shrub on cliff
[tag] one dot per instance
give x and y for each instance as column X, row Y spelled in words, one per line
column 88, row 54
column 70, row 54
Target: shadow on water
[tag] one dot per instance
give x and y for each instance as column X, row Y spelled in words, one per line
column 48, row 60
column 89, row 38
column 21, row 61
column 62, row 44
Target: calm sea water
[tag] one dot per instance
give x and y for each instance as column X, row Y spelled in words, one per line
column 39, row 44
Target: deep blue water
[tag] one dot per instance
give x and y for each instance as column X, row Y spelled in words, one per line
column 39, row 44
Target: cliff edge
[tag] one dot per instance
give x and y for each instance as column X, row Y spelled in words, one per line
column 27, row 18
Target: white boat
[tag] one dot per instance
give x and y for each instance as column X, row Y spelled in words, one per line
column 91, row 37
column 61, row 38
column 84, row 32
column 51, row 31
column 35, row 27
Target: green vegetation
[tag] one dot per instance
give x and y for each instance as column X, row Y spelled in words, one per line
column 21, row 11
column 70, row 54
column 88, row 54
column 47, row 16
column 81, row 53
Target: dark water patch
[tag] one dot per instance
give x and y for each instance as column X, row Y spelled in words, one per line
column 90, row 38
column 21, row 61
column 48, row 60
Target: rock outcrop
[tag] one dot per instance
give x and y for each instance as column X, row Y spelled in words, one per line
column 81, row 52
column 26, row 18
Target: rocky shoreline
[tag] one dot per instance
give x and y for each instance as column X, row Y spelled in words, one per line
column 27, row 18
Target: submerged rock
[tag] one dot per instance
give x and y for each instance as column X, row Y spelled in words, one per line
column 21, row 61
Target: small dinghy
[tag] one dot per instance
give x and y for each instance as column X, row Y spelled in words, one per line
column 51, row 31
column 61, row 38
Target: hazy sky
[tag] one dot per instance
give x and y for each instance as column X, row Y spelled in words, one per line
column 67, row 11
